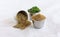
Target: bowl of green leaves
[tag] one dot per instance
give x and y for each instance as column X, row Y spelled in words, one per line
column 34, row 10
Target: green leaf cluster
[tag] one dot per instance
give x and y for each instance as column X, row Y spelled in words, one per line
column 33, row 10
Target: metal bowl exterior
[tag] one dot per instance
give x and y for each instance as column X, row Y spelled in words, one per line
column 38, row 24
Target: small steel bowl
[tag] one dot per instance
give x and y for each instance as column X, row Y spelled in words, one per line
column 23, row 12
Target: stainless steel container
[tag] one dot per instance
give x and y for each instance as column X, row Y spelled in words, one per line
column 38, row 24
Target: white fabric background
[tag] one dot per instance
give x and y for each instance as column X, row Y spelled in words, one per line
column 9, row 8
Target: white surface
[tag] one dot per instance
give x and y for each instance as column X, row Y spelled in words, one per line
column 9, row 8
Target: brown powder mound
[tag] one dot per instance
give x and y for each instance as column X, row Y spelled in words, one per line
column 23, row 25
column 38, row 17
column 21, row 18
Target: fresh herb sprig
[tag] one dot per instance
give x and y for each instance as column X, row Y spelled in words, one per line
column 34, row 10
